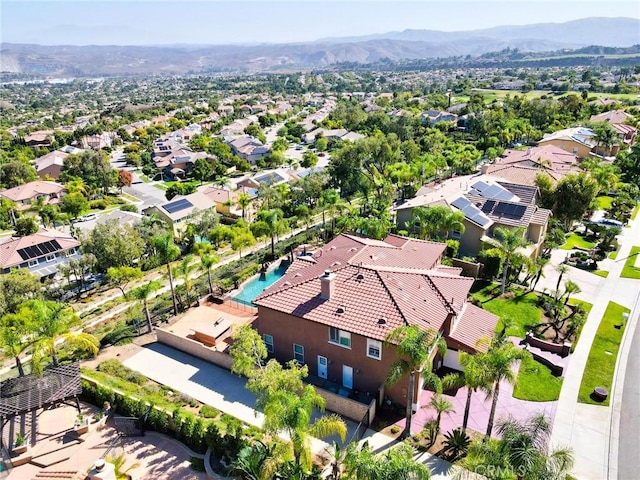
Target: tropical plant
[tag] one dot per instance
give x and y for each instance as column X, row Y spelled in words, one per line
column 119, row 465
column 456, row 443
column 167, row 252
column 474, row 377
column 416, row 348
column 498, row 363
column 14, row 335
column 258, row 461
column 440, row 405
column 243, row 201
column 142, row 293
column 209, row 261
column 508, row 241
column 52, row 322
column 397, row 463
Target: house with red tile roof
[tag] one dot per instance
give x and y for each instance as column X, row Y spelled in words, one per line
column 41, row 253
column 27, row 193
column 332, row 311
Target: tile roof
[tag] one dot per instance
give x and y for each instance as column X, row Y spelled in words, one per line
column 581, row 135
column 526, row 193
column 612, row 116
column 401, row 283
column 9, row 256
column 32, row 190
column 474, row 324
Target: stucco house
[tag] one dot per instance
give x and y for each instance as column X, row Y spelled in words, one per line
column 25, row 195
column 41, row 253
column 486, row 203
column 332, row 311
column 580, row 141
column 178, row 211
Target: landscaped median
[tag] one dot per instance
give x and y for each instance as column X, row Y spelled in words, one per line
column 601, row 363
column 630, row 270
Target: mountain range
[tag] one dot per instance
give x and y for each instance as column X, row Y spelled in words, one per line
column 67, row 60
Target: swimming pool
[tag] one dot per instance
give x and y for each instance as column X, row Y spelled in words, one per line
column 255, row 287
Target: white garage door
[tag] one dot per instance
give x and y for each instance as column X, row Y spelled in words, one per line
column 452, row 360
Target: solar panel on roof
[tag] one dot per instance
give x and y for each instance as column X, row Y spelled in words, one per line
column 495, row 192
column 488, row 206
column 461, row 202
column 178, row 205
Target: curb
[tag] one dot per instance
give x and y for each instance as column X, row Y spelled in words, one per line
column 617, row 389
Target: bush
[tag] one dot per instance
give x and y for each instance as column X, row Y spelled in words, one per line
column 207, row 411
column 98, row 204
column 115, row 368
column 120, row 335
column 128, row 207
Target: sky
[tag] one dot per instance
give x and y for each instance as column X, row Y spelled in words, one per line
column 146, row 22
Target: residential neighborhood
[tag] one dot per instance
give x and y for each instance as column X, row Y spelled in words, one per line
column 370, row 270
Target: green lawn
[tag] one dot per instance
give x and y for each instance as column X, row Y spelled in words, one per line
column 630, row 270
column 536, row 383
column 635, row 212
column 601, row 273
column 521, row 309
column 603, row 354
column 604, row 202
column 576, row 240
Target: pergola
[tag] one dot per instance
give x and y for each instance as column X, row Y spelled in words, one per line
column 22, row 395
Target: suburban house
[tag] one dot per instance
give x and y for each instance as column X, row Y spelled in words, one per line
column 249, row 148
column 42, row 138
column 50, row 165
column 269, row 178
column 618, row 120
column 98, row 141
column 433, row 117
column 25, row 195
column 336, row 134
column 41, row 253
column 120, row 216
column 522, row 166
column 226, row 201
column 486, row 203
column 181, row 209
column 580, row 141
column 333, row 309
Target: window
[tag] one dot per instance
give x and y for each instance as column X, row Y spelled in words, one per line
column 298, row 353
column 50, row 258
column 374, row 349
column 268, row 341
column 33, row 263
column 339, row 337
column 455, row 234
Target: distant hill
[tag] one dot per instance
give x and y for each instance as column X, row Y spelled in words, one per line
column 68, row 60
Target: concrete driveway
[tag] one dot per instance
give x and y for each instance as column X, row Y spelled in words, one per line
column 208, row 384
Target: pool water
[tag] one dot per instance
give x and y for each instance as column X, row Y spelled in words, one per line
column 255, row 287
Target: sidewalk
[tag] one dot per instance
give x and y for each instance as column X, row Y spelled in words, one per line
column 587, row 428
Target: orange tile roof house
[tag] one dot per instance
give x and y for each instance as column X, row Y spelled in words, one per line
column 617, row 118
column 332, row 310
column 25, row 194
column 41, row 253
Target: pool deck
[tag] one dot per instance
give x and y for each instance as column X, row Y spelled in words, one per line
column 202, row 319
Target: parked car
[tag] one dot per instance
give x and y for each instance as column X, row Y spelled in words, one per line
column 88, row 217
column 608, row 223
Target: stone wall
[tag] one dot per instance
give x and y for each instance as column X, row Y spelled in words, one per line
column 194, row 348
column 469, row 269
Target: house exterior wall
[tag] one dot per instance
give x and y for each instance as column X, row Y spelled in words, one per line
column 582, row 151
column 470, row 240
column 368, row 373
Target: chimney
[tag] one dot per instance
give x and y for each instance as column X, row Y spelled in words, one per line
column 484, row 168
column 327, row 284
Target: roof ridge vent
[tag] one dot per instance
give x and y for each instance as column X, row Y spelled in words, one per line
column 341, row 309
column 360, row 277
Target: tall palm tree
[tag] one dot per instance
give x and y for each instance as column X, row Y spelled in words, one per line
column 508, row 241
column 167, row 252
column 207, row 262
column 76, row 184
column 52, row 322
column 273, row 220
column 142, row 293
column 452, row 220
column 473, row 377
column 416, row 348
column 184, row 270
column 498, row 363
column 243, row 202
column 329, row 200
column 291, row 412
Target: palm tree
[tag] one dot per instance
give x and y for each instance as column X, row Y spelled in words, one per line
column 291, row 412
column 167, row 252
column 474, row 377
column 440, row 405
column 452, row 220
column 498, row 363
column 14, row 332
column 258, row 461
column 416, row 348
column 76, row 184
column 329, row 200
column 142, row 294
column 209, row 261
column 508, row 241
column 274, row 225
column 243, row 202
column 52, row 322
column 184, row 270
column 397, row 463
column 526, row 446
